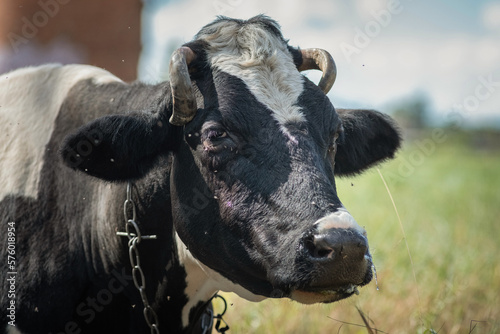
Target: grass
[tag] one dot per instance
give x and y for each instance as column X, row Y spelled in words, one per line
column 448, row 199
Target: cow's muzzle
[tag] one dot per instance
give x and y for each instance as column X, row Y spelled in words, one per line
column 338, row 253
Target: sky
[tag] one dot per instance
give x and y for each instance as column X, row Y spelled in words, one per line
column 386, row 51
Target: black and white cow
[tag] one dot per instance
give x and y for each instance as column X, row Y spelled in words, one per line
column 238, row 186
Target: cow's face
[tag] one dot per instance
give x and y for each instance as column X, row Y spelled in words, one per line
column 253, row 176
column 259, row 203
column 261, row 153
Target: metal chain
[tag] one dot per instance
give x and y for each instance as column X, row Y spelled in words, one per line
column 208, row 317
column 134, row 238
column 219, row 322
column 134, row 235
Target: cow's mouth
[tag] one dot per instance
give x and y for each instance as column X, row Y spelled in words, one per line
column 318, row 295
column 329, row 294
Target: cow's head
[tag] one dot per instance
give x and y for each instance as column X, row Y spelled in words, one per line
column 256, row 149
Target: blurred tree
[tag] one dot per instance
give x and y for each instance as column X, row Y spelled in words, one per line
column 413, row 112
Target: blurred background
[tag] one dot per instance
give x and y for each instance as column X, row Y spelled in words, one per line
column 104, row 33
column 432, row 214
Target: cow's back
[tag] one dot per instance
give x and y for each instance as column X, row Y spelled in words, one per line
column 30, row 100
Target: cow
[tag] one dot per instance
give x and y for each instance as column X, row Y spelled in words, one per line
column 222, row 179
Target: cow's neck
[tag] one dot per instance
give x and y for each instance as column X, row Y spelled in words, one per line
column 189, row 284
column 203, row 282
column 185, row 291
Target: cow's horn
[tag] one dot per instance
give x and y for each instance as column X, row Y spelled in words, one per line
column 183, row 99
column 319, row 59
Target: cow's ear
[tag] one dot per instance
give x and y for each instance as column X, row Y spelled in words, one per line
column 119, row 147
column 369, row 138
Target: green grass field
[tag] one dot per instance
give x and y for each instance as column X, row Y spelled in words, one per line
column 447, row 193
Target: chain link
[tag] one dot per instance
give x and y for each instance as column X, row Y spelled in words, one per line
column 219, row 316
column 134, row 235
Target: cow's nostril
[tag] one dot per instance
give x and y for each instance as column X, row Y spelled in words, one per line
column 318, row 248
column 324, row 252
column 336, row 244
column 321, row 248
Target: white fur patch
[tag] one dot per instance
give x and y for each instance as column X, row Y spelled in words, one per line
column 203, row 282
column 12, row 330
column 30, row 99
column 339, row 219
column 262, row 61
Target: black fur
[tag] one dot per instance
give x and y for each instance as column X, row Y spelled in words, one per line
column 370, row 138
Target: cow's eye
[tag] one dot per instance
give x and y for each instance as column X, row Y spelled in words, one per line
column 216, row 134
column 216, row 140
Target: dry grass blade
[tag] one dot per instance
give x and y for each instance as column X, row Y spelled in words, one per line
column 407, row 246
column 475, row 322
column 368, row 327
column 366, row 324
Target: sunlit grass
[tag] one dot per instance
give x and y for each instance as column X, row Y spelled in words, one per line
column 450, row 209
